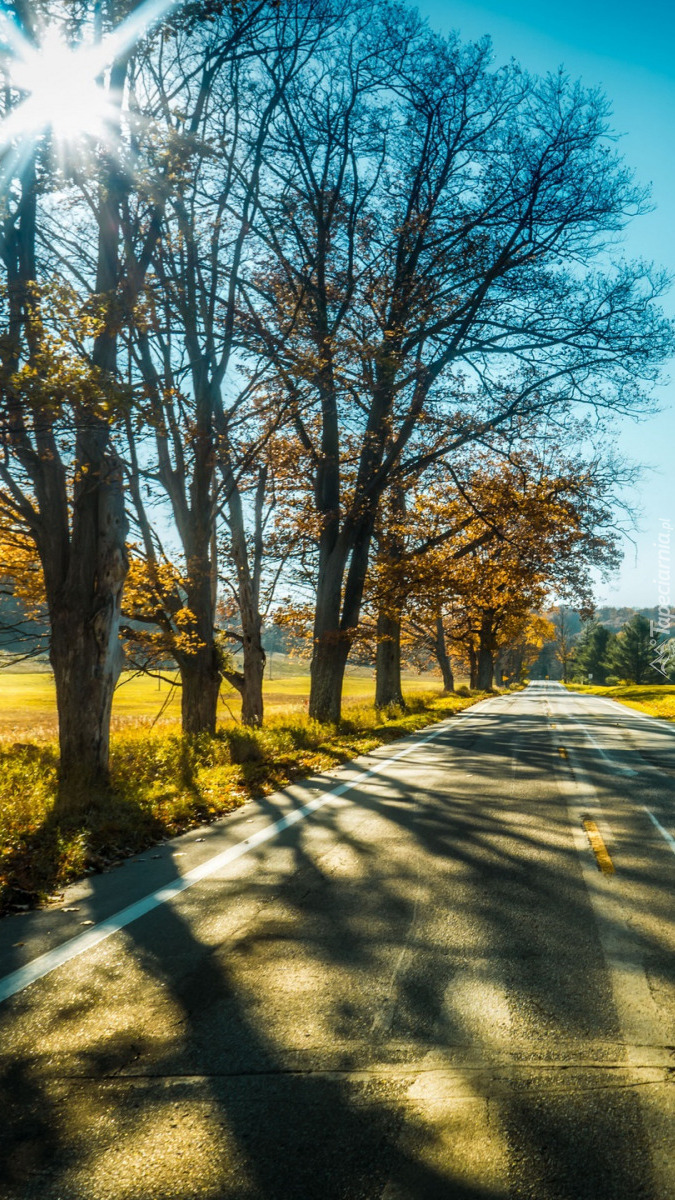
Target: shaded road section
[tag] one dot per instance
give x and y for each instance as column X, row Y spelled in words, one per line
column 425, row 988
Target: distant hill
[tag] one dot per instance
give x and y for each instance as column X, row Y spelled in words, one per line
column 616, row 618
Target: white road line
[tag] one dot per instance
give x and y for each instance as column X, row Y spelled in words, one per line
column 618, row 708
column 52, row 959
column 668, row 836
column 624, row 771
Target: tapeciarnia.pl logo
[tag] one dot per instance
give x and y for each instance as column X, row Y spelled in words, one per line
column 659, row 630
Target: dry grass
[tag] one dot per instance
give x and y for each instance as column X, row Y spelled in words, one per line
column 163, row 783
column 656, row 699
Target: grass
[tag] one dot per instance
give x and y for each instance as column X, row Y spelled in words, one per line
column 28, row 701
column 656, row 699
column 163, row 783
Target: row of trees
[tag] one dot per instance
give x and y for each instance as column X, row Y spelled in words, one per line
column 331, row 313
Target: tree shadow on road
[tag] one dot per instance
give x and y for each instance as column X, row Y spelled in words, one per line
column 274, row 1024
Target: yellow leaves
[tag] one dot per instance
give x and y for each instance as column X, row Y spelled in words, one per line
column 150, row 584
column 61, row 332
column 539, row 630
column 184, row 619
column 154, row 592
column 19, row 563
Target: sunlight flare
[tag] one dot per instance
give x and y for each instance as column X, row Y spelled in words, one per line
column 62, row 89
column 63, row 86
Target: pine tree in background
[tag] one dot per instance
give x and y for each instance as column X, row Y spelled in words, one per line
column 592, row 650
column 631, row 653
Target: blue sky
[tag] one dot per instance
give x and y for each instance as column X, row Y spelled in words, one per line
column 629, row 50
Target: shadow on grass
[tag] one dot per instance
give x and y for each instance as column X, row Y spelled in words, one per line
column 54, row 833
column 162, row 785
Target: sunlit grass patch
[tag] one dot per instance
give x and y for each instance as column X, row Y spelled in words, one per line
column 163, row 783
column 28, row 698
column 656, row 699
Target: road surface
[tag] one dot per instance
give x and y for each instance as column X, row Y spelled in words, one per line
column 445, row 970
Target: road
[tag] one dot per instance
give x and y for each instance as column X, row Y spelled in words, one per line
column 448, row 974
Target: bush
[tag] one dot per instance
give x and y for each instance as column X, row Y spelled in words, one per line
column 463, row 690
column 245, row 746
column 612, row 681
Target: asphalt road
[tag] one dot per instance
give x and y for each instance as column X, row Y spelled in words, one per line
column 423, row 986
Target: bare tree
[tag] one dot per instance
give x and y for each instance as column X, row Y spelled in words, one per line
column 433, row 235
column 208, row 420
column 564, row 641
column 60, row 476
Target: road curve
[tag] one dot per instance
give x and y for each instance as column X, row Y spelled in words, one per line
column 445, row 970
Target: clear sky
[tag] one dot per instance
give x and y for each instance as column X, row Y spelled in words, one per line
column 627, row 48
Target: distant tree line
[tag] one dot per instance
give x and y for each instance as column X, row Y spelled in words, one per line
column 329, row 330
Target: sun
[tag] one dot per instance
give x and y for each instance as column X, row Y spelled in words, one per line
column 63, row 90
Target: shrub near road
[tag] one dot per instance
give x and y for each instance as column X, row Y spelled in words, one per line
column 163, row 783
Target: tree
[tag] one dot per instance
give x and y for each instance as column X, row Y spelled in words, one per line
column 60, row 477
column 206, row 422
column 564, row 641
column 592, row 651
column 517, row 656
column 483, row 549
column 434, row 245
column 630, row 654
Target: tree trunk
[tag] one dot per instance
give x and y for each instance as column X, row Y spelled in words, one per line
column 388, row 660
column 328, row 668
column 473, row 668
column 200, row 678
column 335, row 624
column 331, row 648
column 485, row 668
column 199, row 663
column 254, row 671
column 84, row 693
column 85, row 650
column 442, row 656
column 486, row 656
column 250, row 683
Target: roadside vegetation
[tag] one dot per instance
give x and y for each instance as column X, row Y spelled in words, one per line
column 656, row 699
column 163, row 782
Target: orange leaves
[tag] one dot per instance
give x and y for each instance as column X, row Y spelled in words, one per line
column 153, row 597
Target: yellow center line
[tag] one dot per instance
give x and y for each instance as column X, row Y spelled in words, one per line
column 599, row 848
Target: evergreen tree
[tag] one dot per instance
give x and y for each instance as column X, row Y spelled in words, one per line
column 592, row 649
column 631, row 654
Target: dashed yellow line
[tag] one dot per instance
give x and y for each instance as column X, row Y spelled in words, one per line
column 599, row 848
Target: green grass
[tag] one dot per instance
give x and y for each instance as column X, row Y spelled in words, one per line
column 163, row 783
column 656, row 699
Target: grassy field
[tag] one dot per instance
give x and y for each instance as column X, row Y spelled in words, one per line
column 656, row 699
column 28, row 705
